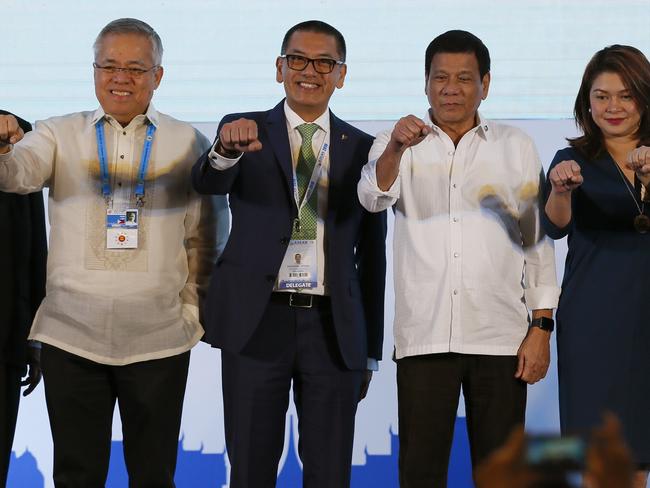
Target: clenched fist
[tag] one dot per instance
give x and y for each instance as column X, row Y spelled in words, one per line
column 10, row 132
column 565, row 177
column 409, row 131
column 238, row 136
column 639, row 162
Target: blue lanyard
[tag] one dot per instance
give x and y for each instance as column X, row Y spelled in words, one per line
column 103, row 162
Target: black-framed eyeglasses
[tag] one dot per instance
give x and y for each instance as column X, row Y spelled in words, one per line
column 133, row 72
column 321, row 65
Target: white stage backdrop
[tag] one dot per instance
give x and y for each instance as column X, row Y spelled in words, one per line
column 219, row 59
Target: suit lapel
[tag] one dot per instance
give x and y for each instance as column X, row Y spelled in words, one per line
column 276, row 125
column 339, row 159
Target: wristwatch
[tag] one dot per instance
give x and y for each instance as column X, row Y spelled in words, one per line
column 543, row 323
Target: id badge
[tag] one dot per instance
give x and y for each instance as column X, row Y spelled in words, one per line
column 122, row 228
column 300, row 266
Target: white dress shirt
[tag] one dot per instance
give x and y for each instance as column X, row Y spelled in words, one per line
column 127, row 305
column 469, row 252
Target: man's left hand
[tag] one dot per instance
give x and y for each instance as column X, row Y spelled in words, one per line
column 34, row 375
column 534, row 356
column 365, row 384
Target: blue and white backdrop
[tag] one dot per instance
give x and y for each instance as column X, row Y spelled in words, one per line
column 219, row 58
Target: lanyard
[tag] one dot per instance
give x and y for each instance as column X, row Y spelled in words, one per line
column 315, row 175
column 103, row 162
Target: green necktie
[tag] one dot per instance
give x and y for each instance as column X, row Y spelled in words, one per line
column 304, row 169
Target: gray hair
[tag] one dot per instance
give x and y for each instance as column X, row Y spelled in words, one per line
column 132, row 26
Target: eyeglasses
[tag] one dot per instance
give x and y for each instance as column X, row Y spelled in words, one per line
column 321, row 65
column 133, row 72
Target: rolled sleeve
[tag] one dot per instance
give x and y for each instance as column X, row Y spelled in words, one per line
column 542, row 297
column 372, row 198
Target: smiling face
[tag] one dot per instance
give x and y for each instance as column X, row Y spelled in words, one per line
column 120, row 94
column 455, row 89
column 308, row 92
column 613, row 108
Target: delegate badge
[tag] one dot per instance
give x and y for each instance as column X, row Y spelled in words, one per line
column 122, row 229
column 299, row 268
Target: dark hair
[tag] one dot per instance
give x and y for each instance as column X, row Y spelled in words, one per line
column 632, row 66
column 458, row 41
column 132, row 26
column 320, row 28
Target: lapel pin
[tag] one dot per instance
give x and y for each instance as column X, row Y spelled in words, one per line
column 344, row 137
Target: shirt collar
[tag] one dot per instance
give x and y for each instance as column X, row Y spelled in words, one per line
column 151, row 115
column 484, row 126
column 294, row 120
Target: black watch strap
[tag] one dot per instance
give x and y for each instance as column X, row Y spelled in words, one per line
column 543, row 323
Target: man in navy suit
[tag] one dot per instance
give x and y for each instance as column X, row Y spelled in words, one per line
column 298, row 293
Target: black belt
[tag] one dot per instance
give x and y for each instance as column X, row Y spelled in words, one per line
column 299, row 300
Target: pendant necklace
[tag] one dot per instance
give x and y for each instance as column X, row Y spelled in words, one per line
column 641, row 221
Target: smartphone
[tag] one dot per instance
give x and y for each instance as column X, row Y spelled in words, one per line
column 556, row 454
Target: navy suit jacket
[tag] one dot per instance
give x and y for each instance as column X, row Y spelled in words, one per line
column 263, row 209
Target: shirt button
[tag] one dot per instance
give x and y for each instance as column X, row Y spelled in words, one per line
column 455, row 292
column 124, row 133
column 119, row 183
column 455, row 219
column 453, row 185
column 450, row 153
column 121, row 156
column 456, row 254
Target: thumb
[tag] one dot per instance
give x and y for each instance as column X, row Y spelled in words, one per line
column 16, row 136
column 256, row 145
column 521, row 361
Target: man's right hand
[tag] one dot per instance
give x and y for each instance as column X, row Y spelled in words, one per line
column 565, row 177
column 10, row 132
column 408, row 132
column 238, row 137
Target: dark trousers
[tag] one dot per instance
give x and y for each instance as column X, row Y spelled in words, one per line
column 81, row 397
column 10, row 376
column 428, row 389
column 290, row 344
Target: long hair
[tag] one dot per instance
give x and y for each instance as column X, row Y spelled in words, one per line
column 634, row 69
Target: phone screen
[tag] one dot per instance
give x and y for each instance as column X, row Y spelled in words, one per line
column 556, row 453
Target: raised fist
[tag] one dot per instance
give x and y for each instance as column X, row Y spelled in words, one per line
column 565, row 176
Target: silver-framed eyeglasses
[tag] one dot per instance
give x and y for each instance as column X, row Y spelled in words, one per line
column 133, row 72
column 323, row 66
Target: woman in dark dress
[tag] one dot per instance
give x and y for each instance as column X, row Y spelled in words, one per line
column 597, row 194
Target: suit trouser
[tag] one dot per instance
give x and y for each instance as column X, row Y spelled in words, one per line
column 10, row 376
column 428, row 389
column 81, row 397
column 299, row 345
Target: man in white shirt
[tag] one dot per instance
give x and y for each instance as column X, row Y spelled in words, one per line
column 469, row 258
column 122, row 306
